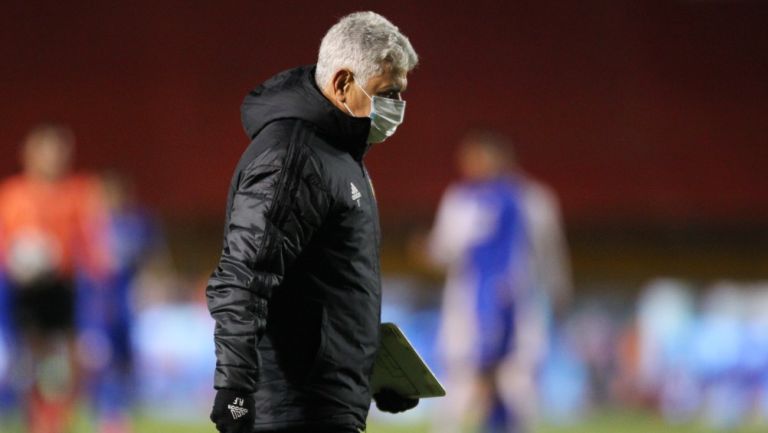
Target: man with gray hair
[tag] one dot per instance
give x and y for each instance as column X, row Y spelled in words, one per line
column 297, row 294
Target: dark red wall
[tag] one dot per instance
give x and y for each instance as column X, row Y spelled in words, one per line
column 631, row 110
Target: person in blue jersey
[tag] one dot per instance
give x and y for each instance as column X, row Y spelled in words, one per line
column 487, row 236
column 105, row 311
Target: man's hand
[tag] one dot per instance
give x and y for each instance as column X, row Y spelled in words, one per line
column 390, row 401
column 233, row 411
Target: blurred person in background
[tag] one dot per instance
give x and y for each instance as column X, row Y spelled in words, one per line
column 297, row 292
column 50, row 227
column 756, row 342
column 666, row 323
column 106, row 308
column 498, row 233
column 718, row 355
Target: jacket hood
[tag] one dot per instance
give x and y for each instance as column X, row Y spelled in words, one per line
column 293, row 94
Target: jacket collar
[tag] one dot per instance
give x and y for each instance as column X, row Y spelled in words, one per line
column 294, row 94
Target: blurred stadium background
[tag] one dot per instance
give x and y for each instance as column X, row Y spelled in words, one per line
column 647, row 118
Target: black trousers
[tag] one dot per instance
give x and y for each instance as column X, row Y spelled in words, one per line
column 45, row 306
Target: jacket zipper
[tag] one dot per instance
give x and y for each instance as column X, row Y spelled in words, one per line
column 373, row 208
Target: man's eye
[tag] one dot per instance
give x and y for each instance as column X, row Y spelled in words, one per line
column 390, row 95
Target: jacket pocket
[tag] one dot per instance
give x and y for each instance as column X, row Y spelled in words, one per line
column 316, row 365
column 294, row 341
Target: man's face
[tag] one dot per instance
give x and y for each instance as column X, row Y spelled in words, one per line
column 389, row 84
column 47, row 157
column 477, row 161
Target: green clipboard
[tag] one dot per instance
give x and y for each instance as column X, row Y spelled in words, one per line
column 400, row 368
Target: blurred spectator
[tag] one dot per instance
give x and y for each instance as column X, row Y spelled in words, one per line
column 666, row 314
column 719, row 346
column 499, row 234
column 50, row 222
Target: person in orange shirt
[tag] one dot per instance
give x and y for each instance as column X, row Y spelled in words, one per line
column 50, row 228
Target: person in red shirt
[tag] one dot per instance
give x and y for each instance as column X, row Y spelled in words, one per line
column 50, row 225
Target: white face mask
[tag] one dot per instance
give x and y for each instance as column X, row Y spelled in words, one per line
column 386, row 115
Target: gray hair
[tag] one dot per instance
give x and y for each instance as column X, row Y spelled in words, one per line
column 365, row 43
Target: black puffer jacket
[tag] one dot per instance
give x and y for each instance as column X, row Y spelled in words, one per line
column 296, row 295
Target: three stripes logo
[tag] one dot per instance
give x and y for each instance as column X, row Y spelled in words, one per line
column 237, row 409
column 355, row 193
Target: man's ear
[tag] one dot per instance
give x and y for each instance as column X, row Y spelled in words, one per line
column 341, row 81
